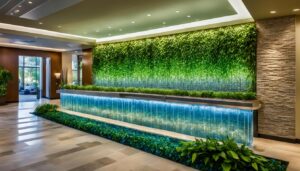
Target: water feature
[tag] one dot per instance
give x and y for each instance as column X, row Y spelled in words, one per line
column 190, row 119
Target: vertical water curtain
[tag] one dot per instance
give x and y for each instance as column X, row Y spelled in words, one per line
column 195, row 120
column 221, row 59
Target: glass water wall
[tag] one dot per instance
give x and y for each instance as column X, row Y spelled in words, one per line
column 195, row 120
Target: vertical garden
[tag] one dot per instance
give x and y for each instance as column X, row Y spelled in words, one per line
column 221, row 59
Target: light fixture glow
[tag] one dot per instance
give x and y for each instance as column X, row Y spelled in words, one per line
column 164, row 23
column 133, row 22
column 242, row 16
column 35, row 31
column 22, row 46
column 188, row 16
column 296, row 9
column 109, row 27
column 40, row 23
column 59, row 26
column 273, row 12
column 29, row 2
column 149, row 15
column 57, row 75
column 177, row 11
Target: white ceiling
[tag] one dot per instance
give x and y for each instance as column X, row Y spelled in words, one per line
column 70, row 24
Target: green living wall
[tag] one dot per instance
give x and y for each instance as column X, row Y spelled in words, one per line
column 221, row 59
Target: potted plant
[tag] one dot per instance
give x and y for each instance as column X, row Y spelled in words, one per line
column 5, row 76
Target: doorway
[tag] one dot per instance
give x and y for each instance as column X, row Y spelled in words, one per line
column 30, row 76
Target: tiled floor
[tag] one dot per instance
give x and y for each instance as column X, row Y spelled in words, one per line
column 31, row 143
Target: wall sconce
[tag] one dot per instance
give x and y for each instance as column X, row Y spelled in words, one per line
column 57, row 76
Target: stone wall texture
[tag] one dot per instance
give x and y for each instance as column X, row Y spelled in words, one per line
column 276, row 80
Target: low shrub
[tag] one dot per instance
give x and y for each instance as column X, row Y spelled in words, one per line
column 225, row 154
column 207, row 155
column 205, row 94
column 45, row 108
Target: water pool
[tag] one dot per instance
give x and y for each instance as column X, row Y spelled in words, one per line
column 190, row 119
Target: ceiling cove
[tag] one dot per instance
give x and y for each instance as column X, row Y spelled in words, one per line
column 102, row 21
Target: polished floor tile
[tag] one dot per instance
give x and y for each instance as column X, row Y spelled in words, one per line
column 31, row 143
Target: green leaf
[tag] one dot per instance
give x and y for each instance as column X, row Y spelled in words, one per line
column 226, row 167
column 223, row 155
column 216, row 157
column 206, row 160
column 245, row 158
column 194, row 157
column 233, row 155
column 254, row 165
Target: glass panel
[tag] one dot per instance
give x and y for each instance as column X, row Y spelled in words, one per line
column 29, row 77
column 31, row 80
column 21, row 60
column 75, row 77
column 74, row 62
column 31, row 61
column 21, row 81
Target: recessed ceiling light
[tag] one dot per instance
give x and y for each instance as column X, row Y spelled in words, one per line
column 20, row 6
column 177, row 11
column 188, row 16
column 40, row 23
column 11, row 13
column 133, row 22
column 149, row 15
column 29, row 2
column 296, row 9
column 273, row 12
column 17, row 11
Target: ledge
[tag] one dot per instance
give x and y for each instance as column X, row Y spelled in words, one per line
column 240, row 104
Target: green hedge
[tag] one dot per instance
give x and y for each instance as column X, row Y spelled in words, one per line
column 5, row 76
column 206, row 94
column 166, row 147
column 220, row 59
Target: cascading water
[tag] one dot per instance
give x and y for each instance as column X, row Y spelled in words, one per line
column 196, row 120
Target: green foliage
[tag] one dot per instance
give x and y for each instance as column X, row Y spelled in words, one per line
column 5, row 76
column 225, row 154
column 207, row 94
column 174, row 149
column 220, row 59
column 45, row 108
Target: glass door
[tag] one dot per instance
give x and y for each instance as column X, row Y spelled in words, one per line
column 29, row 78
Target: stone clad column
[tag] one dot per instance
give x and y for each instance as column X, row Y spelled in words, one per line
column 276, row 77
